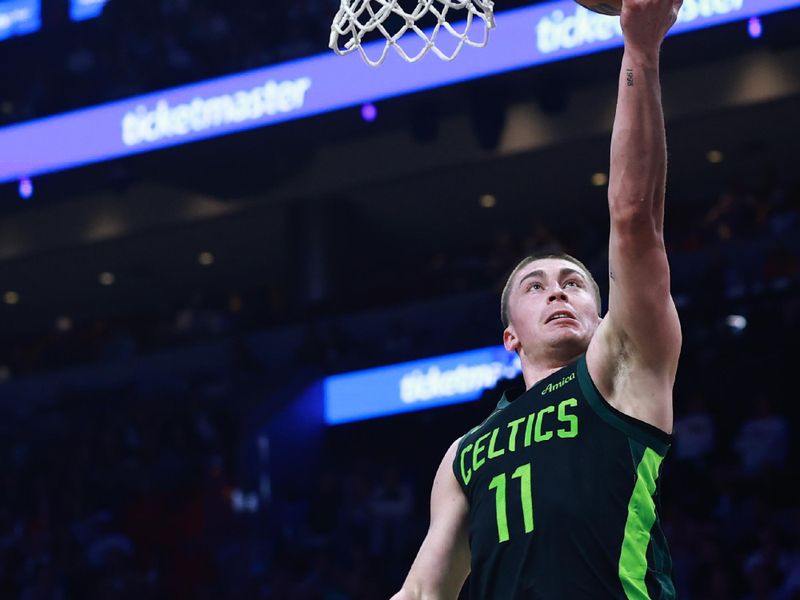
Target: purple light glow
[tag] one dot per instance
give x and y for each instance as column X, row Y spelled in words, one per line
column 369, row 112
column 25, row 188
column 754, row 27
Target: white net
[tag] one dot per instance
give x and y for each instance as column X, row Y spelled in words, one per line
column 359, row 18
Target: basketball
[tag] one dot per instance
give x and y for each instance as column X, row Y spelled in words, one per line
column 603, row 7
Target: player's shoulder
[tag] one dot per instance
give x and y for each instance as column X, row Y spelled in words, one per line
column 447, row 465
column 453, row 449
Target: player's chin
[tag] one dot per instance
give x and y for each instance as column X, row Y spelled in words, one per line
column 569, row 327
column 566, row 335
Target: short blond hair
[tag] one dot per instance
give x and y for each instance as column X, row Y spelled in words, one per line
column 505, row 311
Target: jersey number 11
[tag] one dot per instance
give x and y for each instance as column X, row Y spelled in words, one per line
column 498, row 483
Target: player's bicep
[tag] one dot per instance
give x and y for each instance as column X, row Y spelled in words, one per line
column 443, row 561
column 641, row 311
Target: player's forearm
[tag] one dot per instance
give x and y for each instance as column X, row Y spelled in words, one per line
column 442, row 584
column 638, row 143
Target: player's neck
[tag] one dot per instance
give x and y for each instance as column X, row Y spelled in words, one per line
column 535, row 369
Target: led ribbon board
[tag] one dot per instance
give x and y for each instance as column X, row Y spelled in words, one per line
column 18, row 17
column 80, row 10
column 416, row 385
column 524, row 37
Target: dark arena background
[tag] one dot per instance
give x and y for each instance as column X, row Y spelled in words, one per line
column 237, row 341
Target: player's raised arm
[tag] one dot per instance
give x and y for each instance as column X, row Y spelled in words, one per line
column 442, row 563
column 642, row 323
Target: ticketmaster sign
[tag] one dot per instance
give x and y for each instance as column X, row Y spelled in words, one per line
column 416, row 385
column 141, row 125
column 525, row 37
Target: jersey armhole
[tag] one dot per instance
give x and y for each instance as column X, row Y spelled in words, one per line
column 457, row 464
column 457, row 460
column 643, row 432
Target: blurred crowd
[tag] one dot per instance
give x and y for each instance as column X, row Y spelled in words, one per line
column 162, row 488
column 741, row 244
column 116, row 494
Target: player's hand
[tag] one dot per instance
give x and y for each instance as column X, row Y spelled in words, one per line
column 645, row 23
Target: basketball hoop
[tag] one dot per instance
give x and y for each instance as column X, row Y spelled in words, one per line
column 356, row 18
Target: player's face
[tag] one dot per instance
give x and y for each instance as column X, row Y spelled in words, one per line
column 552, row 306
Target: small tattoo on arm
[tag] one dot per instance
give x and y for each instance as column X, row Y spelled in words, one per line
column 611, row 274
column 629, row 77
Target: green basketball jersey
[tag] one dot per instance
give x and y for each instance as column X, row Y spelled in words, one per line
column 564, row 497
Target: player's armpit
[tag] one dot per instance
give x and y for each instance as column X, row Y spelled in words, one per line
column 642, row 314
column 633, row 356
column 443, row 561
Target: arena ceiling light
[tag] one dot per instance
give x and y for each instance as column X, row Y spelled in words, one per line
column 311, row 86
column 369, row 112
column 63, row 324
column 25, row 189
column 599, row 179
column 488, row 201
column 754, row 28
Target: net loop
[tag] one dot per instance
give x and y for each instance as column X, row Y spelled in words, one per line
column 357, row 18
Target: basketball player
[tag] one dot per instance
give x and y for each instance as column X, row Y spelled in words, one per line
column 555, row 496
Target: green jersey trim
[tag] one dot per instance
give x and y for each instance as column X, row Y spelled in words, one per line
column 643, row 432
column 641, row 517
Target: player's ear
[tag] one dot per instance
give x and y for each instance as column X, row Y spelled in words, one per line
column 510, row 339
